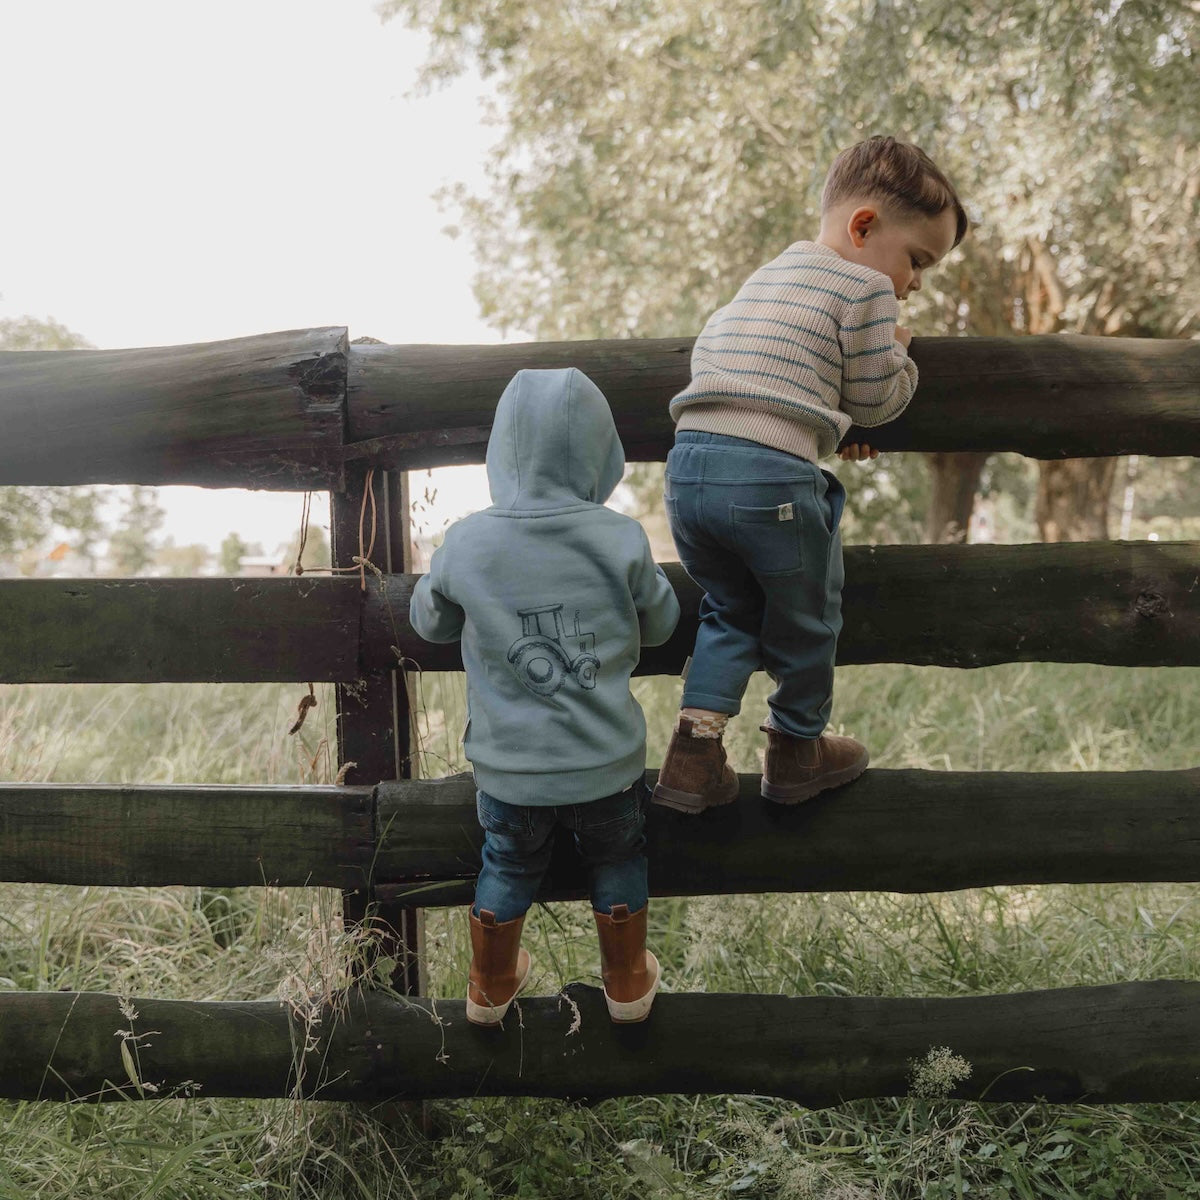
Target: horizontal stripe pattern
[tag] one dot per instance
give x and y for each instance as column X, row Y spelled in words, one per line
column 770, row 365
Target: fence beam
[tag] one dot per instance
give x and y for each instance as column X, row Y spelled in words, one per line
column 1120, row 1043
column 288, row 410
column 1053, row 396
column 418, row 841
column 1120, row 603
column 179, row 630
column 260, row 412
column 157, row 835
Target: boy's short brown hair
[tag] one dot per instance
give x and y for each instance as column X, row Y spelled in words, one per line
column 898, row 172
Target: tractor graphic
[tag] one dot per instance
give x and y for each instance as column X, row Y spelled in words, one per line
column 542, row 657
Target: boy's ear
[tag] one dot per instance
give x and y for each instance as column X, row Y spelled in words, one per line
column 862, row 220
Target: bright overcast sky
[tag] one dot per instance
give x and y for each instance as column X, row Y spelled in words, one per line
column 190, row 172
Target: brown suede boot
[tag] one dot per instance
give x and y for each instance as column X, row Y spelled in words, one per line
column 499, row 967
column 798, row 768
column 631, row 973
column 694, row 774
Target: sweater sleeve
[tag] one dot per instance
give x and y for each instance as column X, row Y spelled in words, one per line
column 878, row 377
column 433, row 614
column 654, row 598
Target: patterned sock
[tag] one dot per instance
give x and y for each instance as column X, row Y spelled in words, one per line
column 706, row 724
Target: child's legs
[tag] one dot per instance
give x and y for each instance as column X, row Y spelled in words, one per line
column 517, row 843
column 610, row 837
column 726, row 652
column 804, row 617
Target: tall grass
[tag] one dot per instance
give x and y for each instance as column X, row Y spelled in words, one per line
column 161, row 943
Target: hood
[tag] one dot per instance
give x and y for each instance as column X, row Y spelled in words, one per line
column 553, row 442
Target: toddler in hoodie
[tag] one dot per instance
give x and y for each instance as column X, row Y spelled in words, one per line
column 553, row 595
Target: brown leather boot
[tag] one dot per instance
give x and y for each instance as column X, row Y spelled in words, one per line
column 695, row 774
column 631, row 973
column 798, row 768
column 499, row 967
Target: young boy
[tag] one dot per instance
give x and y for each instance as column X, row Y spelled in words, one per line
column 552, row 595
column 809, row 345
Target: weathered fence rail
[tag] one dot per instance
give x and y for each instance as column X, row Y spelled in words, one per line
column 1117, row 1043
column 309, row 409
column 290, row 410
column 1130, row 603
column 418, row 841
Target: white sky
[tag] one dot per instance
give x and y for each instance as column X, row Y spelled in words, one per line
column 190, row 172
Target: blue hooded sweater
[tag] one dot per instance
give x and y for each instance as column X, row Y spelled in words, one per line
column 552, row 595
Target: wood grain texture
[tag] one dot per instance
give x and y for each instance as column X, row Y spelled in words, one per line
column 287, row 410
column 257, row 412
column 1060, row 396
column 1120, row 1043
column 152, row 835
column 1119, row 603
column 417, row 841
column 899, row 831
column 179, row 630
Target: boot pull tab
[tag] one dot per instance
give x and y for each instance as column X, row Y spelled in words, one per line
column 619, row 914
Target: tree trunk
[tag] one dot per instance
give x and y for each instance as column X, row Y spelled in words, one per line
column 955, row 482
column 1072, row 499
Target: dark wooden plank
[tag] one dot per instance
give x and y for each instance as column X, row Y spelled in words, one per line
column 1119, row 1043
column 154, row 835
column 261, row 412
column 178, row 630
column 900, row 831
column 1059, row 396
column 374, row 727
column 1120, row 603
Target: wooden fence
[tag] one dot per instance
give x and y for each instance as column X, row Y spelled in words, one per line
column 308, row 409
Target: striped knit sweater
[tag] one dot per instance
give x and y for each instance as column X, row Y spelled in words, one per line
column 804, row 350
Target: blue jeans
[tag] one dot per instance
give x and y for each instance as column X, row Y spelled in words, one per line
column 757, row 529
column 518, row 840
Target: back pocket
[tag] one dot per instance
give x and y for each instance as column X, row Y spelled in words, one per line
column 768, row 539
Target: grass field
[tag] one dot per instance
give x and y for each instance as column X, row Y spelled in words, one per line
column 282, row 941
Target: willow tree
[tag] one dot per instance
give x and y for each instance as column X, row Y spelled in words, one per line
column 654, row 153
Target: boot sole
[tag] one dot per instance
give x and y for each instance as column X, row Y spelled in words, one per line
column 491, row 1015
column 630, row 1012
column 690, row 802
column 797, row 793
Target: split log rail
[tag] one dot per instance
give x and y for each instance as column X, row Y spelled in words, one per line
column 309, row 410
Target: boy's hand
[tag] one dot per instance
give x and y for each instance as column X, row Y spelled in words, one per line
column 857, row 452
column 903, row 336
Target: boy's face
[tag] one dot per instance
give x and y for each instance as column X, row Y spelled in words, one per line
column 902, row 247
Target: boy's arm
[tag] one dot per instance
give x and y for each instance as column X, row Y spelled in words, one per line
column 433, row 614
column 654, row 598
column 878, row 377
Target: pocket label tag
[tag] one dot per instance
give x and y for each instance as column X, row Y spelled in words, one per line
column 786, row 512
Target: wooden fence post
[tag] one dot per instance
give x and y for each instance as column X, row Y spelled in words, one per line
column 374, row 722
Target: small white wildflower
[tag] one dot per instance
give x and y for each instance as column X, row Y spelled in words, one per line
column 935, row 1076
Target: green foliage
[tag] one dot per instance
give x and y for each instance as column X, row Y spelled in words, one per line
column 233, row 550
column 131, row 545
column 181, row 561
column 317, row 552
column 655, row 153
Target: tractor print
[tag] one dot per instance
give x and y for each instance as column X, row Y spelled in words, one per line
column 542, row 657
